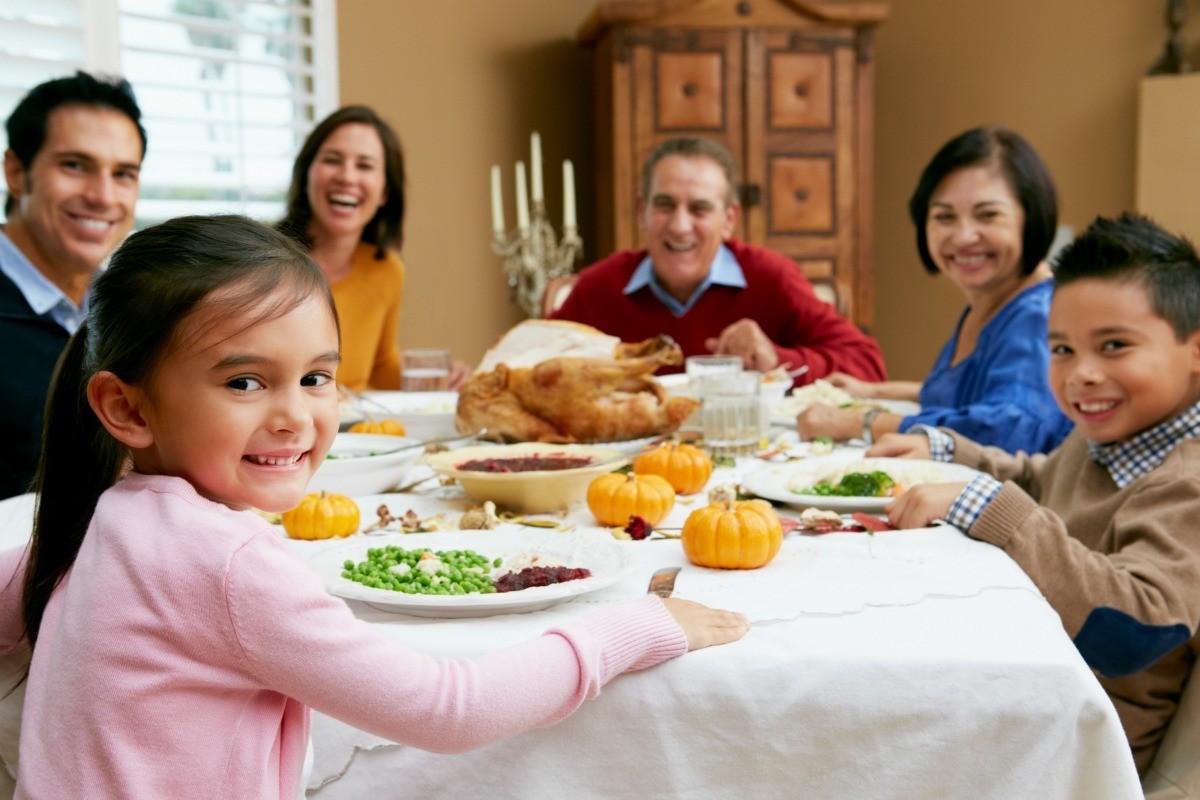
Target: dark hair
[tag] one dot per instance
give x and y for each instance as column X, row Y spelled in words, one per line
column 1132, row 248
column 29, row 121
column 1020, row 165
column 693, row 147
column 386, row 228
column 154, row 282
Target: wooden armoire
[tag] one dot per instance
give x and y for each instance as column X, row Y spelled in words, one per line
column 786, row 85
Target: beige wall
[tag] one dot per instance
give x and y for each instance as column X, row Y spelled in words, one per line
column 465, row 81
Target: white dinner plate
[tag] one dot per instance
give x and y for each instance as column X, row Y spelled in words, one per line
column 607, row 560
column 781, row 483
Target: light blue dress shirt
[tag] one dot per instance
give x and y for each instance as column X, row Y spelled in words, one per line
column 43, row 297
column 725, row 271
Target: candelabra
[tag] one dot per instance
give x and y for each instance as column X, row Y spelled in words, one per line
column 534, row 257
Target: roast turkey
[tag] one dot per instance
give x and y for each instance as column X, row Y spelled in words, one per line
column 550, row 381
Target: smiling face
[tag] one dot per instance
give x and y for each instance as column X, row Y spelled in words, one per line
column 75, row 200
column 245, row 414
column 685, row 219
column 346, row 182
column 1116, row 367
column 974, row 228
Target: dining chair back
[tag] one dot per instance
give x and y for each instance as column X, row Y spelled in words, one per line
column 1175, row 773
column 556, row 293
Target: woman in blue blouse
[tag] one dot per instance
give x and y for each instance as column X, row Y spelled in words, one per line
column 985, row 213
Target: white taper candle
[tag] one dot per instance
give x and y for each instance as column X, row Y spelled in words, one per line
column 522, row 199
column 535, row 146
column 497, row 204
column 568, row 195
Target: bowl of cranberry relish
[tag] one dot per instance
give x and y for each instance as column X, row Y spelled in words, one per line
column 528, row 478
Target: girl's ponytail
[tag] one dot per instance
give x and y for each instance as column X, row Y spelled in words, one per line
column 79, row 460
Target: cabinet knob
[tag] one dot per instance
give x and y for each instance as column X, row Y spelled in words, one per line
column 689, row 89
column 751, row 194
column 801, row 195
column 744, row 8
column 802, row 90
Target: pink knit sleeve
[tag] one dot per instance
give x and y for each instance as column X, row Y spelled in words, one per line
column 303, row 643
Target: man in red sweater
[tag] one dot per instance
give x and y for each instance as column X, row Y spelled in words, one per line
column 713, row 294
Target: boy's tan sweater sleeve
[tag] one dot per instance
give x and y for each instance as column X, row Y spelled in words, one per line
column 1022, row 468
column 1121, row 566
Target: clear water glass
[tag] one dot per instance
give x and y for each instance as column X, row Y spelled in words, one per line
column 731, row 412
column 425, row 370
column 699, row 366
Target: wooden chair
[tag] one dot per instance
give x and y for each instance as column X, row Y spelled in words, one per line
column 556, row 293
column 1175, row 773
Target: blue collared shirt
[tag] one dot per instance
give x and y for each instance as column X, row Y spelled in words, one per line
column 43, row 297
column 725, row 271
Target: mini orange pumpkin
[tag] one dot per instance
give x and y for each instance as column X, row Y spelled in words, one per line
column 322, row 516
column 744, row 534
column 686, row 467
column 614, row 498
column 388, row 427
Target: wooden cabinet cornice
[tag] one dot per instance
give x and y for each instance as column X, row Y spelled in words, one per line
column 786, row 85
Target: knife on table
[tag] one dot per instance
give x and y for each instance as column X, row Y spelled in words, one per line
column 662, row 582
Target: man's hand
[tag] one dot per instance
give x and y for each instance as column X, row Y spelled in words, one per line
column 839, row 424
column 922, row 504
column 459, row 373
column 901, row 445
column 744, row 338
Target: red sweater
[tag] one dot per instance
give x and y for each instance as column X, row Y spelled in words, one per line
column 777, row 296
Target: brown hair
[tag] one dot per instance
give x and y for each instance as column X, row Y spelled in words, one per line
column 386, row 228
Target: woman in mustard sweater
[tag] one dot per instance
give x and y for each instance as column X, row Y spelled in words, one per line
column 346, row 206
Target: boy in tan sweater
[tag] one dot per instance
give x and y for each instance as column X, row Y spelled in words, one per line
column 1108, row 525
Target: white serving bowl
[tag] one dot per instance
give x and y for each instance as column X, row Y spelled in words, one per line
column 353, row 470
column 424, row 415
column 532, row 492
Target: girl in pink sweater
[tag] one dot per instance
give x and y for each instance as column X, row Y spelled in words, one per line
column 178, row 643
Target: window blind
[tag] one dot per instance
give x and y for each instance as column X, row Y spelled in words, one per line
column 228, row 88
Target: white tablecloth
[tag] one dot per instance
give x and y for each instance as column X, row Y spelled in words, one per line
column 905, row 664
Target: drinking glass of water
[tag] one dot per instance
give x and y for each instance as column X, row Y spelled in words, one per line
column 731, row 412
column 425, row 370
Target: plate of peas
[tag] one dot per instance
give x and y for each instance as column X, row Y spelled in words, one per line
column 470, row 573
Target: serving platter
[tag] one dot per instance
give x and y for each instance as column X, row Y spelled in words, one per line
column 781, row 483
column 599, row 553
column 783, row 412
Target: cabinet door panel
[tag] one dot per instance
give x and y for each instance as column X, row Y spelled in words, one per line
column 689, row 89
column 801, row 197
column 801, row 90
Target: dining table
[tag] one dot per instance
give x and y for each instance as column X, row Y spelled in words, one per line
column 896, row 664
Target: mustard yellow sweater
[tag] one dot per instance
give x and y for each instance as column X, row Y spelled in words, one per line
column 368, row 306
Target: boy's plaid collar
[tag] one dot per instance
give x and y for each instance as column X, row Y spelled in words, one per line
column 1127, row 461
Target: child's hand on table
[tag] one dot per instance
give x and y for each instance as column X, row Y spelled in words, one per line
column 922, row 504
column 706, row 626
column 900, row 445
